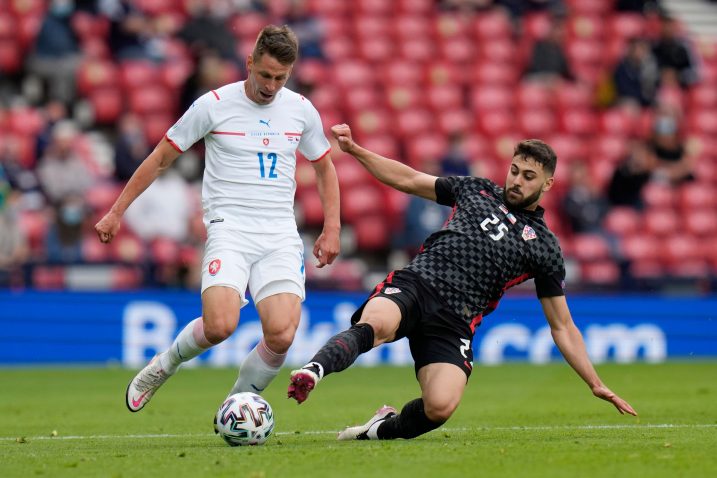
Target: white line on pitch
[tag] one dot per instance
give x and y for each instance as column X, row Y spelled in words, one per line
column 328, row 432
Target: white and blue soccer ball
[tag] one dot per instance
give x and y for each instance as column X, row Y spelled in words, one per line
column 245, row 419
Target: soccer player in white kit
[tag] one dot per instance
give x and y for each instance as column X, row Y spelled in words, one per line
column 251, row 130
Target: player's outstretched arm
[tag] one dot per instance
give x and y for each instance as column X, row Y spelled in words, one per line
column 158, row 160
column 327, row 245
column 570, row 343
column 388, row 171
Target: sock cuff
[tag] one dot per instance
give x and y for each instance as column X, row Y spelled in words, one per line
column 269, row 356
column 198, row 334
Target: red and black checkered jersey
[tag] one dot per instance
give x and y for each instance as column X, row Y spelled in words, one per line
column 486, row 247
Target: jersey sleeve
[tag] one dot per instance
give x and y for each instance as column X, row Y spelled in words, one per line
column 550, row 273
column 194, row 124
column 313, row 144
column 446, row 189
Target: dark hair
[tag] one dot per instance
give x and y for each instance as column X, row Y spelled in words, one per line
column 279, row 42
column 538, row 151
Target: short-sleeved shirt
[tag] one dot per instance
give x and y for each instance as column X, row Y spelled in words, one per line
column 486, row 247
column 250, row 158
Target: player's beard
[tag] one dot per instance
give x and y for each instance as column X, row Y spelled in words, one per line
column 522, row 203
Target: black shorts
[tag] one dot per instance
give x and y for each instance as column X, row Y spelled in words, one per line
column 435, row 333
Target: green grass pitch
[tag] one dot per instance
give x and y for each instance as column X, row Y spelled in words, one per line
column 515, row 420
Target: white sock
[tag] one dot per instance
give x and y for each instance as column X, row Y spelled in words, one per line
column 258, row 369
column 189, row 343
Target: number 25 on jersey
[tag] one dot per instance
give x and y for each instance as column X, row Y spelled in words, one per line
column 272, row 169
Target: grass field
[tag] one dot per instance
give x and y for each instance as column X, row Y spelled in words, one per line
column 515, row 420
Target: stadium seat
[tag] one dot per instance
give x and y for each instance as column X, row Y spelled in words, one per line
column 360, row 201
column 411, row 26
column 372, row 121
column 126, row 278
column 8, row 26
column 458, row 50
column 640, row 247
column 588, row 27
column 590, row 247
column 338, row 48
column 455, row 121
column 174, row 73
column 26, row 121
column 383, row 144
column 28, row 26
column 155, row 7
column 325, row 97
column 352, row 174
column 151, row 99
column 536, row 25
column 94, row 74
column 312, row 212
column 426, row 147
column 127, row 247
column 502, row 74
column 402, row 73
column 20, row 8
column 376, row 49
column 372, row 233
column 499, row 50
column 372, row 7
column 602, row 273
column 360, row 98
column 404, row 97
column 578, row 122
column 492, row 24
column 626, row 25
column 618, row 122
column 414, row 122
column 87, row 26
column 34, row 225
column 589, row 7
column 680, row 248
column 703, row 122
column 352, row 73
column 572, row 96
column 372, row 26
column 536, row 123
column 107, row 105
column 567, row 147
column 444, row 97
column 609, row 148
column 658, row 196
column 532, row 95
column 484, row 99
column 48, row 277
column 93, row 250
column 701, row 223
column 622, row 221
column 137, row 73
column 102, row 195
column 661, row 222
column 156, row 126
column 496, row 123
column 417, row 49
column 164, row 251
column 417, row 7
column 697, row 195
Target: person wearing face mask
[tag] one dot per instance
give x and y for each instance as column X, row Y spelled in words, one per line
column 495, row 238
column 251, row 131
column 669, row 149
column 64, row 237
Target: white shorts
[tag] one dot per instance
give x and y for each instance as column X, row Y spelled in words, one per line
column 268, row 264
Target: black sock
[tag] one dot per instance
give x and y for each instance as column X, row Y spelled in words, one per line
column 410, row 423
column 341, row 350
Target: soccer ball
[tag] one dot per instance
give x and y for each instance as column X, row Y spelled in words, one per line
column 245, row 419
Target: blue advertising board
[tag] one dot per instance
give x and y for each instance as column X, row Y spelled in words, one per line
column 128, row 328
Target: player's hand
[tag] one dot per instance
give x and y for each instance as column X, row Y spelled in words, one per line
column 342, row 133
column 108, row 227
column 327, row 247
column 606, row 394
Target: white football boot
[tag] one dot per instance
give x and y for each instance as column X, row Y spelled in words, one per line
column 368, row 430
column 144, row 384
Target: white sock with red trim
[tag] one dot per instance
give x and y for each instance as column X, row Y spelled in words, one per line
column 189, row 343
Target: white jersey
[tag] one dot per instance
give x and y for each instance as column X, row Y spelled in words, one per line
column 250, row 157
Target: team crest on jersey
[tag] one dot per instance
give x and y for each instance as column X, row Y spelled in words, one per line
column 529, row 234
column 265, row 141
column 214, row 267
column 391, row 290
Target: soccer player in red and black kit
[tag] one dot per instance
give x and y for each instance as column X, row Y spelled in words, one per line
column 495, row 238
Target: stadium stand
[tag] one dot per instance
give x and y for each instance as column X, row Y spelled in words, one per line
column 407, row 75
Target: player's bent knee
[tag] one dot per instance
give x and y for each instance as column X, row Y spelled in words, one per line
column 280, row 342
column 440, row 410
column 218, row 332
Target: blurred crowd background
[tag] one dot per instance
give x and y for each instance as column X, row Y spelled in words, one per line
column 622, row 90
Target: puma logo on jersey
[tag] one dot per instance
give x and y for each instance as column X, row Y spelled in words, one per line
column 266, row 122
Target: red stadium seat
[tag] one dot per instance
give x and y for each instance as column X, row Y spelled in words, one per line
column 641, row 247
column 590, row 247
column 95, row 74
column 589, row 7
column 531, row 95
column 126, row 278
column 383, row 144
column 618, row 122
column 658, row 196
column 155, row 7
column 567, row 147
column 418, row 7
column 372, row 233
column 93, row 250
column 372, row 121
column 376, row 49
column 138, row 73
column 405, row 97
column 496, row 123
column 156, row 126
column 581, row 51
column 609, row 148
column 351, row 73
column 536, row 25
column 369, row 26
column 647, row 269
column 360, row 201
column 164, row 251
column 417, row 49
column 151, row 99
column 402, row 72
column 701, row 223
column 26, row 121
column 484, row 99
column 680, row 248
column 586, row 27
column 27, row 30
column 414, row 122
column 338, row 48
column 603, row 273
column 444, row 97
column 351, row 174
column 127, row 247
column 626, row 25
column 360, row 98
column 703, row 122
column 570, row 96
column 107, row 105
column 661, row 222
column 34, row 225
column 702, row 96
column 426, row 147
column 492, row 24
column 536, row 123
column 622, row 221
column 88, row 26
column 455, row 121
column 411, row 26
column 502, row 74
column 499, row 50
column 697, row 195
column 48, row 277
column 8, row 26
column 578, row 122
column 312, row 212
column 372, row 7
column 101, row 196
column 325, row 97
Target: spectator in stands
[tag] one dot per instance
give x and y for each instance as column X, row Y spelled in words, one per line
column 421, row 217
column 307, row 28
column 631, row 175
column 53, row 112
column 163, row 210
column 129, row 29
column 637, row 6
column 584, row 205
column 206, row 29
column 60, row 170
column 19, row 177
column 548, row 61
column 208, row 75
column 13, row 245
column 131, row 147
column 675, row 59
column 56, row 54
column 456, row 161
column 64, row 236
column 668, row 145
column 636, row 75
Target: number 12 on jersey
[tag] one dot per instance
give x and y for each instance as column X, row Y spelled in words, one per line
column 272, row 169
